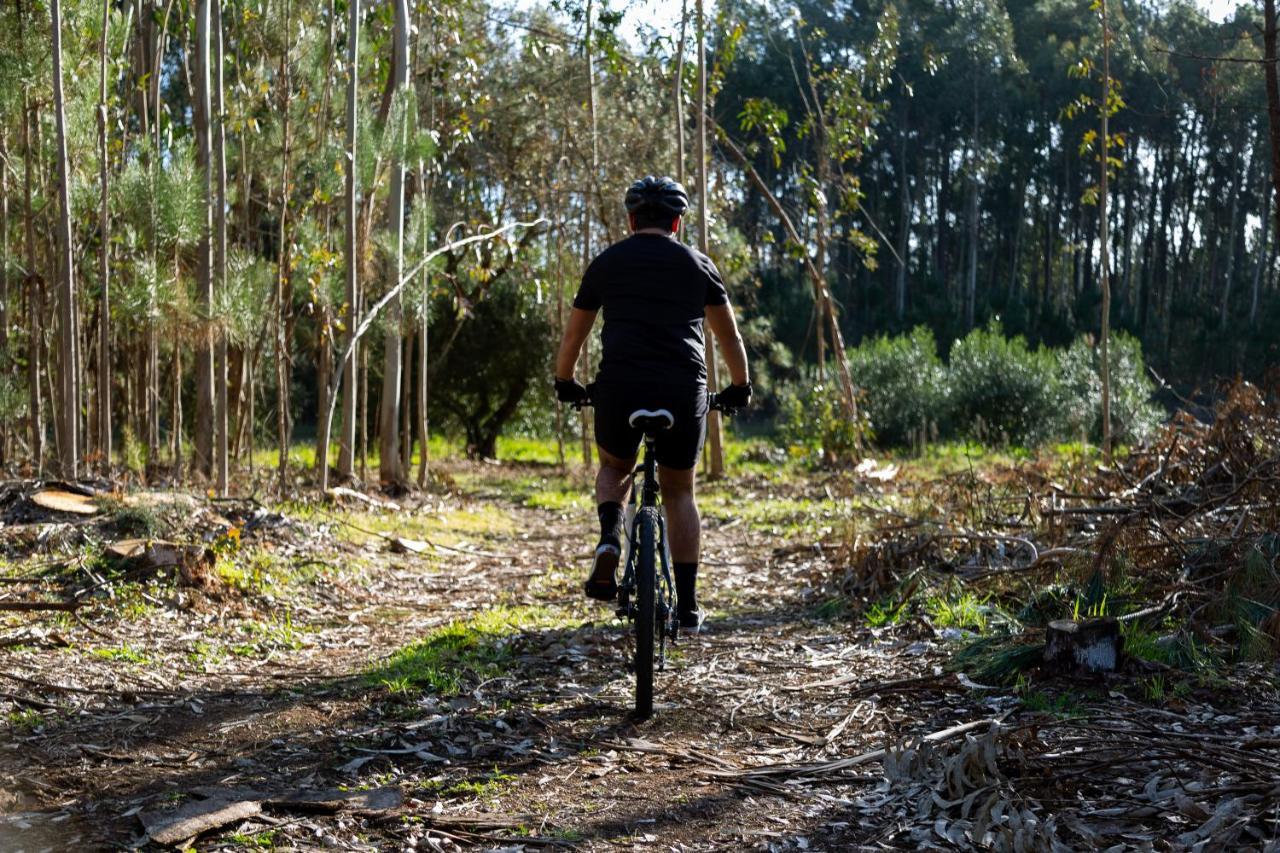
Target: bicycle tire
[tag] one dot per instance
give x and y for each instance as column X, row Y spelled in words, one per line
column 646, row 587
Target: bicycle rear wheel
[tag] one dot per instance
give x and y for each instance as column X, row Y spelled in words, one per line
column 646, row 586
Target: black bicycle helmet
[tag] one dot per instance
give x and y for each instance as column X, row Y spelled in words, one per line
column 660, row 193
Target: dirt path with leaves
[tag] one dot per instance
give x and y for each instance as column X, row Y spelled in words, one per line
column 335, row 689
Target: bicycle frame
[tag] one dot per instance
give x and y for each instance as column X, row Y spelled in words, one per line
column 645, row 491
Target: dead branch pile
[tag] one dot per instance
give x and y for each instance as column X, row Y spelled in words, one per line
column 1186, row 529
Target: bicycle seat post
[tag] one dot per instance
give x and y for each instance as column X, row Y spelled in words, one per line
column 650, row 423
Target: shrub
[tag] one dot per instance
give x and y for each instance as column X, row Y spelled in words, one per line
column 812, row 419
column 1133, row 416
column 1003, row 390
column 905, row 385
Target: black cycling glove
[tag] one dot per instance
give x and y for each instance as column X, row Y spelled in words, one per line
column 734, row 397
column 571, row 391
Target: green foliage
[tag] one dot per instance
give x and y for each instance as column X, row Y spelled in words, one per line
column 966, row 612
column 1133, row 416
column 450, row 657
column 998, row 659
column 812, row 421
column 881, row 614
column 25, row 721
column 480, row 384
column 1002, row 390
column 906, row 384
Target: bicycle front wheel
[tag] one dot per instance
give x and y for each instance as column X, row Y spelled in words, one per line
column 646, row 586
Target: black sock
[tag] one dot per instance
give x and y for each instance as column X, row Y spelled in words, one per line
column 611, row 516
column 686, row 583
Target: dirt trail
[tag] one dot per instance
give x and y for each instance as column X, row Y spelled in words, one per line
column 541, row 753
column 509, row 728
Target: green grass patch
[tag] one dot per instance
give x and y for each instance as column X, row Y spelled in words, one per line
column 265, row 840
column 460, row 653
column 486, row 787
column 966, row 611
column 478, row 521
column 882, row 614
column 25, row 721
column 127, row 654
column 780, row 515
column 262, row 637
column 1063, row 706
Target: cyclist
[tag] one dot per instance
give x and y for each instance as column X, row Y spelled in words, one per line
column 655, row 292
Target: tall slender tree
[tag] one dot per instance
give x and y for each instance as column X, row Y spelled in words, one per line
column 391, row 465
column 715, row 448
column 204, row 421
column 1104, row 241
column 68, row 337
column 348, row 368
column 284, row 298
column 221, row 461
column 104, row 253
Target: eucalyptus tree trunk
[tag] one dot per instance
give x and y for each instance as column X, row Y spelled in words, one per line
column 347, row 442
column 715, row 446
column 1265, row 235
column 222, row 422
column 904, row 222
column 1240, row 173
column 1103, row 241
column 104, row 259
column 424, row 331
column 69, row 368
column 1273, row 98
column 391, row 465
column 282, row 271
column 5, row 357
column 679, row 94
column 35, row 288
column 971, row 272
column 584, row 361
column 202, row 110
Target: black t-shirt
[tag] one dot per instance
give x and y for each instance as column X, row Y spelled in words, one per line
column 654, row 291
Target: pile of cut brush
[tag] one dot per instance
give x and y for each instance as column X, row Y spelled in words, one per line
column 1134, row 610
column 1171, row 551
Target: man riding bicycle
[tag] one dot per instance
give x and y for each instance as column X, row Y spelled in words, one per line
column 655, row 292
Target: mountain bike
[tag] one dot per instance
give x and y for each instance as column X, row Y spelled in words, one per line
column 647, row 593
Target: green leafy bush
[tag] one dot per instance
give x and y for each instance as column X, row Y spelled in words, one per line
column 995, row 390
column 906, row 386
column 1003, row 391
column 812, row 421
column 1133, row 416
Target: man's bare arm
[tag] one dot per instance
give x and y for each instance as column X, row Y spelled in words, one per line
column 575, row 335
column 721, row 320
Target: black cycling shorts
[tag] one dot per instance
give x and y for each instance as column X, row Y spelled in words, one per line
column 678, row 447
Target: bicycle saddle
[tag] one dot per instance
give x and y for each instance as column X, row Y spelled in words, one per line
column 650, row 422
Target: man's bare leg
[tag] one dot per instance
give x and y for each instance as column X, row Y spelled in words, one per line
column 684, row 533
column 684, row 527
column 612, row 482
column 614, row 477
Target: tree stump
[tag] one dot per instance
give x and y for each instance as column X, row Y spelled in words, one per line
column 1092, row 645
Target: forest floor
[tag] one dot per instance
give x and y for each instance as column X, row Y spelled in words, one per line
column 319, row 685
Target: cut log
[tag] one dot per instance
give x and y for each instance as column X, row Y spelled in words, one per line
column 1092, row 645
column 193, row 819
column 58, row 500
